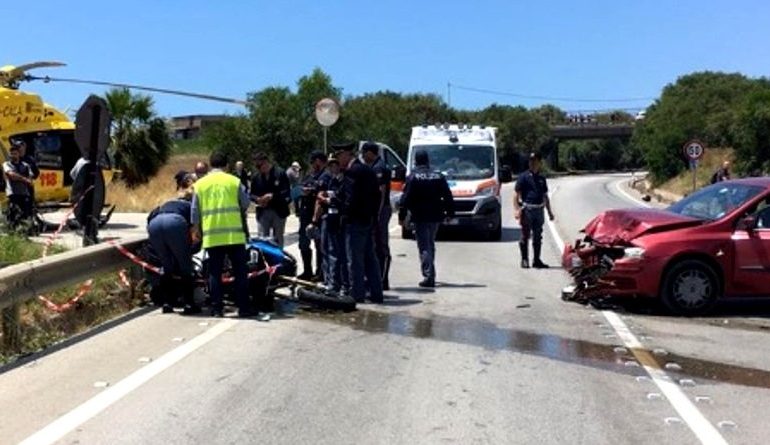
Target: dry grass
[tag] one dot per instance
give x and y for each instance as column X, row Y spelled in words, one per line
column 682, row 184
column 160, row 188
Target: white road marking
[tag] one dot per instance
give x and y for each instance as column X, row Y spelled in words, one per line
column 92, row 407
column 695, row 420
column 628, row 196
column 689, row 413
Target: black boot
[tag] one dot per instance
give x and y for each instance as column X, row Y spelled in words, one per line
column 537, row 263
column 307, row 265
column 168, row 294
column 524, row 247
column 385, row 273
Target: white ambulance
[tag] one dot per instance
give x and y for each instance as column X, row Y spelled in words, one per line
column 467, row 156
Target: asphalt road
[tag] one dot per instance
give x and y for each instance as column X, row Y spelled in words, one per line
column 491, row 356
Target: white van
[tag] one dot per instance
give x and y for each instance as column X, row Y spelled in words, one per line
column 467, row 156
column 397, row 169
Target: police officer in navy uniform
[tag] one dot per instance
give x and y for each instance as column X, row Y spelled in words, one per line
column 429, row 201
column 311, row 186
column 359, row 208
column 530, row 203
column 371, row 155
column 333, row 242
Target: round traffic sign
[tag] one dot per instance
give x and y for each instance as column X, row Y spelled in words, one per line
column 694, row 150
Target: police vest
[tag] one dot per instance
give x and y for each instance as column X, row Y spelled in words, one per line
column 220, row 211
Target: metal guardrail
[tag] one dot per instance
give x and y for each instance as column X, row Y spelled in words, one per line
column 25, row 281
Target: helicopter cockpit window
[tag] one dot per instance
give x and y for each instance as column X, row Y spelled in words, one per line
column 48, row 150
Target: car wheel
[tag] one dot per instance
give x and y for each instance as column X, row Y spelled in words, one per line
column 691, row 287
column 497, row 233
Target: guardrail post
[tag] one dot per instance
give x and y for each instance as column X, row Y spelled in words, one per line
column 11, row 328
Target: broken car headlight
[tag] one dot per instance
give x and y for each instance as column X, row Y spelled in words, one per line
column 633, row 253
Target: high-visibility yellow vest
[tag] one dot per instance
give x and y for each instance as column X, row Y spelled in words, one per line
column 220, row 211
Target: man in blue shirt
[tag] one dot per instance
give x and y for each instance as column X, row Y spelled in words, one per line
column 530, row 203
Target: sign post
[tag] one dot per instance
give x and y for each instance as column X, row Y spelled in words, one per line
column 92, row 134
column 327, row 111
column 693, row 151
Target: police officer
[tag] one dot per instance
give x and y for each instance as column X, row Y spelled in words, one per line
column 18, row 183
column 217, row 212
column 371, row 154
column 429, row 201
column 168, row 227
column 311, row 186
column 333, row 243
column 360, row 205
column 530, row 201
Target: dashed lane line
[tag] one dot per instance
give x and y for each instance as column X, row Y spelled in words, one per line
column 692, row 417
column 92, row 407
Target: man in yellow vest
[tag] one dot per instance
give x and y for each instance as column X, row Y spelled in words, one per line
column 218, row 208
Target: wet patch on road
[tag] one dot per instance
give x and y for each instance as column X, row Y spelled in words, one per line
column 484, row 334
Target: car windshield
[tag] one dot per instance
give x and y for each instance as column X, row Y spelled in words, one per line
column 715, row 201
column 460, row 161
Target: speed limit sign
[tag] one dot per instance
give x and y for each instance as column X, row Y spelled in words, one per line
column 694, row 150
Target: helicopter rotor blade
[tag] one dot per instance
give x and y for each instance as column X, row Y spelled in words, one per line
column 21, row 69
column 140, row 87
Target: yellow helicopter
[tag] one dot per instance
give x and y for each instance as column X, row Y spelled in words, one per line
column 50, row 135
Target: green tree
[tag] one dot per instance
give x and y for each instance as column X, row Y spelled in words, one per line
column 388, row 117
column 236, row 136
column 141, row 140
column 750, row 131
column 699, row 105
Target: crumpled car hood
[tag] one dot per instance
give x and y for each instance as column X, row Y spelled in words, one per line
column 620, row 227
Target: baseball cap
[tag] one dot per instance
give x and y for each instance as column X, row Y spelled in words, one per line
column 180, row 177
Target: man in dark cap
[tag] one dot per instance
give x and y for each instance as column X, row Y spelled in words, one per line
column 359, row 206
column 311, row 185
column 18, row 186
column 333, row 243
column 429, row 201
column 371, row 155
column 530, row 201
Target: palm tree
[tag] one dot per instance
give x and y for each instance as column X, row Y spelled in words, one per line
column 140, row 139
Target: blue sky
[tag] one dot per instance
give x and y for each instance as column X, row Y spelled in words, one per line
column 577, row 49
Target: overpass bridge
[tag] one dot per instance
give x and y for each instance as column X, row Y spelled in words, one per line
column 592, row 131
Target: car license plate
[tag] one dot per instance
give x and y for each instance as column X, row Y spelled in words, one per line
column 453, row 221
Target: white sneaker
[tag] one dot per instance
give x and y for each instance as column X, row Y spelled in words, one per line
column 264, row 316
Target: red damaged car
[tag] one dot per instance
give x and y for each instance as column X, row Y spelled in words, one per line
column 712, row 244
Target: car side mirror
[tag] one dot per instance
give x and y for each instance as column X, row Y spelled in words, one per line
column 747, row 223
column 399, row 174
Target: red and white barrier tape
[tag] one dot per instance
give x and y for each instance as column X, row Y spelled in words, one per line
column 49, row 242
column 135, row 259
column 84, row 288
column 124, row 278
column 271, row 270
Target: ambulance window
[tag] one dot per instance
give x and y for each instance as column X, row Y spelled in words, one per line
column 391, row 160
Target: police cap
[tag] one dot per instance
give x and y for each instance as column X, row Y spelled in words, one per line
column 316, row 155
